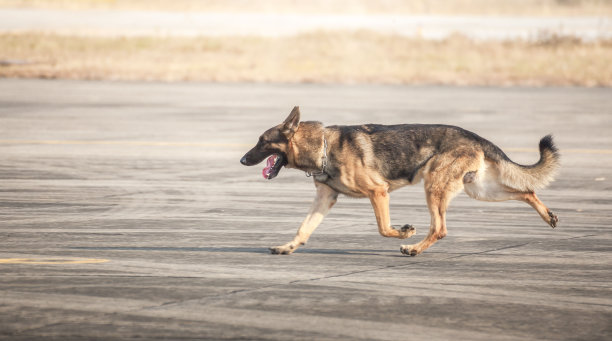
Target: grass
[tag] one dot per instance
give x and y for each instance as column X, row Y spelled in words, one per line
column 444, row 7
column 322, row 57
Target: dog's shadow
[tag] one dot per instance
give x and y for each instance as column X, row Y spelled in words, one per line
column 358, row 252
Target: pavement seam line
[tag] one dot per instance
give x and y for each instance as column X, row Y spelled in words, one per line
column 237, row 145
column 127, row 143
column 426, row 261
column 234, row 292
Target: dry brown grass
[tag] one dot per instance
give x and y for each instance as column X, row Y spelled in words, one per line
column 338, row 57
column 449, row 7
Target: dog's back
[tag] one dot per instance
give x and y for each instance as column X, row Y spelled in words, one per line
column 400, row 151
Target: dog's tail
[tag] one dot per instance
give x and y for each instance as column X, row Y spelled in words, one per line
column 532, row 177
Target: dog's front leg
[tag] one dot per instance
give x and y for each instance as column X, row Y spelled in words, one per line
column 380, row 202
column 325, row 199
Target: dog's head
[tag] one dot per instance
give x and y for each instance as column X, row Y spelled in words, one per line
column 273, row 144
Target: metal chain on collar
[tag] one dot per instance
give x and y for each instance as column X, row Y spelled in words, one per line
column 324, row 158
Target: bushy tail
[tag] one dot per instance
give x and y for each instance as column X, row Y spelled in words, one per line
column 538, row 175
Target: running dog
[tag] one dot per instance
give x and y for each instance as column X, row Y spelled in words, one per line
column 370, row 161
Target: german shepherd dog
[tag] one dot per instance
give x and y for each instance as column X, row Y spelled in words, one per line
column 370, row 161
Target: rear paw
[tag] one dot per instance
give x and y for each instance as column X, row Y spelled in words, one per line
column 409, row 250
column 553, row 219
column 407, row 231
column 286, row 249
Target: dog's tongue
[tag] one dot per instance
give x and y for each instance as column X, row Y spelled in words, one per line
column 269, row 164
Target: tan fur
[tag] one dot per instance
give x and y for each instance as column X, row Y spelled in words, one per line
column 529, row 179
column 357, row 170
column 443, row 177
column 324, row 201
column 305, row 147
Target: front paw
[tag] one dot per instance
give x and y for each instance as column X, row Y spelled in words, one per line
column 286, row 249
column 407, row 231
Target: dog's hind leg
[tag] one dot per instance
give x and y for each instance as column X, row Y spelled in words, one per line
column 380, row 202
column 325, row 199
column 443, row 180
column 546, row 214
column 437, row 202
column 485, row 185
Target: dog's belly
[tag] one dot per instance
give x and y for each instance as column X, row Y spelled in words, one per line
column 356, row 189
column 486, row 185
column 395, row 184
column 341, row 187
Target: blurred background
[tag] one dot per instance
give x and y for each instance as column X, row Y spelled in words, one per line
column 142, row 179
column 452, row 42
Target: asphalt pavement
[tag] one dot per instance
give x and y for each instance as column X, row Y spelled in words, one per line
column 125, row 214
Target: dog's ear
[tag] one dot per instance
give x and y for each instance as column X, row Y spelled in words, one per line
column 290, row 124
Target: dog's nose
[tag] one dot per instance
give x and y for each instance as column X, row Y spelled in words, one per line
column 243, row 160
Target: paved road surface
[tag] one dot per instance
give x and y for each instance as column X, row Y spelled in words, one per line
column 125, row 214
column 100, row 22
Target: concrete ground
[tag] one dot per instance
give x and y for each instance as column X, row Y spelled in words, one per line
column 125, row 214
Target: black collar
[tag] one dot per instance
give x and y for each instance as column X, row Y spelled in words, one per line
column 323, row 158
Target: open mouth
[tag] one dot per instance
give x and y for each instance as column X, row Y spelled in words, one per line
column 273, row 166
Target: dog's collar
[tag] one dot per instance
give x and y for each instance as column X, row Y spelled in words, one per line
column 323, row 158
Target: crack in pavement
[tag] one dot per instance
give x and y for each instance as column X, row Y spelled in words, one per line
column 210, row 299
